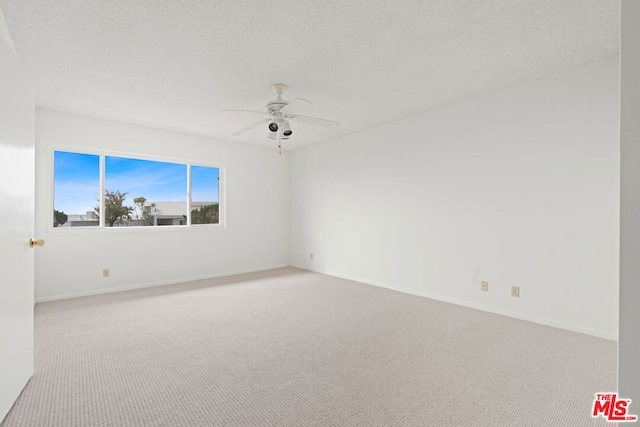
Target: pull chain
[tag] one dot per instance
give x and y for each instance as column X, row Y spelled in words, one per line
column 279, row 140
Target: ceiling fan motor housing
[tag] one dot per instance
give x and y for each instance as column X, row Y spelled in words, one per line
column 276, row 105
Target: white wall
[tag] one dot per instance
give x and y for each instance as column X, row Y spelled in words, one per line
column 629, row 344
column 517, row 187
column 256, row 235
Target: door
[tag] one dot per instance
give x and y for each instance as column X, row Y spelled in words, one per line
column 17, row 163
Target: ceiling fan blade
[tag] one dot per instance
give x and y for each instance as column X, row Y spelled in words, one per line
column 313, row 121
column 294, row 102
column 250, row 127
column 254, row 112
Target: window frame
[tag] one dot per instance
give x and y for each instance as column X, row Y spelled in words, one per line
column 103, row 154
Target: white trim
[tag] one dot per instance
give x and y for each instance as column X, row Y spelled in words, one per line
column 508, row 313
column 503, row 312
column 222, row 197
column 50, row 191
column 130, row 155
column 159, row 283
column 103, row 168
column 189, row 185
column 135, row 229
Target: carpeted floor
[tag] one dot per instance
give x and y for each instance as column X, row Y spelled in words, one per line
column 293, row 348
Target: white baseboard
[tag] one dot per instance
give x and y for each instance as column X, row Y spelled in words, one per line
column 157, row 283
column 490, row 309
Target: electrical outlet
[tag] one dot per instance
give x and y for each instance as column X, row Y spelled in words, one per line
column 105, row 272
column 311, row 255
column 484, row 286
column 515, row 291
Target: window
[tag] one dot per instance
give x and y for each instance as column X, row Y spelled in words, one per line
column 205, row 201
column 144, row 193
column 76, row 189
column 136, row 192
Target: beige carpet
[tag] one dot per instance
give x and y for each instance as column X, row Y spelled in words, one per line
column 294, row 348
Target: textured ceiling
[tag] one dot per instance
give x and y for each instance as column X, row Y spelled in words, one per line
column 177, row 64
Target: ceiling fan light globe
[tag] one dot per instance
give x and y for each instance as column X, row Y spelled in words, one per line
column 279, row 88
column 273, row 127
column 274, row 136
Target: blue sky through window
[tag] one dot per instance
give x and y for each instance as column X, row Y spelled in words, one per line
column 204, row 184
column 155, row 181
column 76, row 182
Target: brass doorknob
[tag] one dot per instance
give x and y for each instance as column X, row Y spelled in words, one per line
column 33, row 243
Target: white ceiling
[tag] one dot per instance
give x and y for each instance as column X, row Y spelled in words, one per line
column 177, row 64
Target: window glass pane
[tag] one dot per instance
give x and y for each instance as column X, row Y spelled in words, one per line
column 144, row 193
column 76, row 189
column 205, row 199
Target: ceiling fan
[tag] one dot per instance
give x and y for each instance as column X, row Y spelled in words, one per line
column 278, row 113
